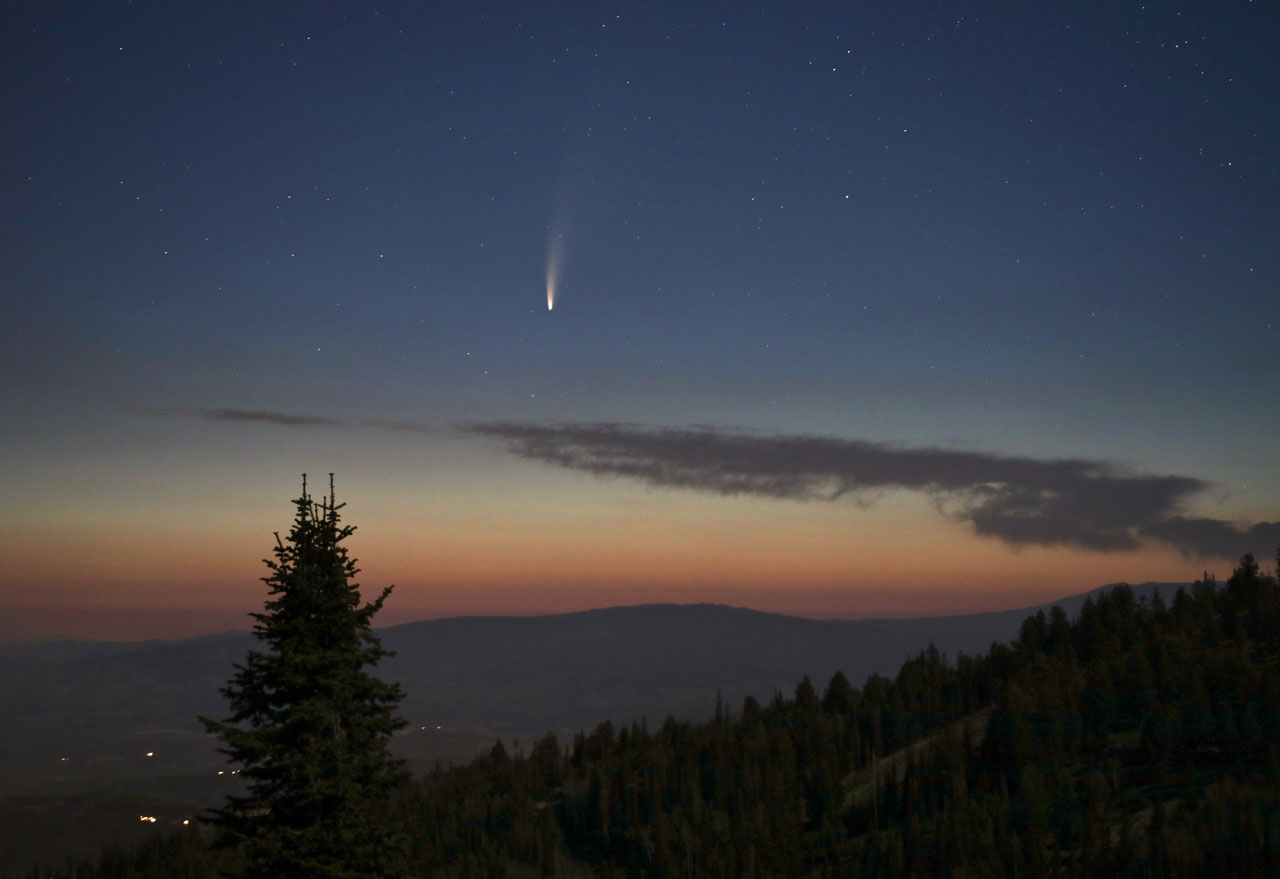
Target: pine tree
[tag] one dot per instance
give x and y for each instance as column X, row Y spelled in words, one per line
column 309, row 725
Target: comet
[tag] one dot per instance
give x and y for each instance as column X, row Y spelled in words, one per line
column 554, row 256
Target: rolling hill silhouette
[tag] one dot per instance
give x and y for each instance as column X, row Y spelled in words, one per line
column 105, row 706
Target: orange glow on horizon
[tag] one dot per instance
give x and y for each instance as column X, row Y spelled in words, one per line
column 592, row 544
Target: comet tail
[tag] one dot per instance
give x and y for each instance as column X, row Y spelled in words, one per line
column 553, row 270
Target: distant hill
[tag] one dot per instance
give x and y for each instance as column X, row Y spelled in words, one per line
column 104, row 707
column 527, row 675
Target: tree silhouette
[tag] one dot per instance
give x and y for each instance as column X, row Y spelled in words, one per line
column 309, row 725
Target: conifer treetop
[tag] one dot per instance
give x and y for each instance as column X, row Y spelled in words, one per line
column 309, row 724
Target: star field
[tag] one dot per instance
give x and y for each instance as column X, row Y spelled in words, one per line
column 1043, row 232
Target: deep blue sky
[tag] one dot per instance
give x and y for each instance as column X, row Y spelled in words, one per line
column 1042, row 230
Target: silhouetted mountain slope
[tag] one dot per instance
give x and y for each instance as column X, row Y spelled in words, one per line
column 106, row 705
column 526, row 675
column 1137, row 739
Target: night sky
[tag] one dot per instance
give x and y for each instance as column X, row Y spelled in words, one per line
column 860, row 309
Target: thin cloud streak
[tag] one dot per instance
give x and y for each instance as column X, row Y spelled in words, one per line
column 286, row 419
column 1093, row 505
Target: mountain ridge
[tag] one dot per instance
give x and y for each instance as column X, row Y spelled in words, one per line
column 53, row 643
column 467, row 680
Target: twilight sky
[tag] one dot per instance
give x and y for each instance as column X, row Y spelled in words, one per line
column 860, row 309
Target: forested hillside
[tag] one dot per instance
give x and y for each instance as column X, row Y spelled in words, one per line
column 1138, row 739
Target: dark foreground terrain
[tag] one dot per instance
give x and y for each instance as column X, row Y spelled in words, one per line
column 105, row 706
column 1139, row 738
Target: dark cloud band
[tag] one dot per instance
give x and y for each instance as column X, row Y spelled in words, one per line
column 1022, row 501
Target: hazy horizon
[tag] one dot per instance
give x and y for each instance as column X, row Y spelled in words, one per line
column 31, row 624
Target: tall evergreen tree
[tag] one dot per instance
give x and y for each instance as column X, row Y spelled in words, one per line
column 309, row 724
